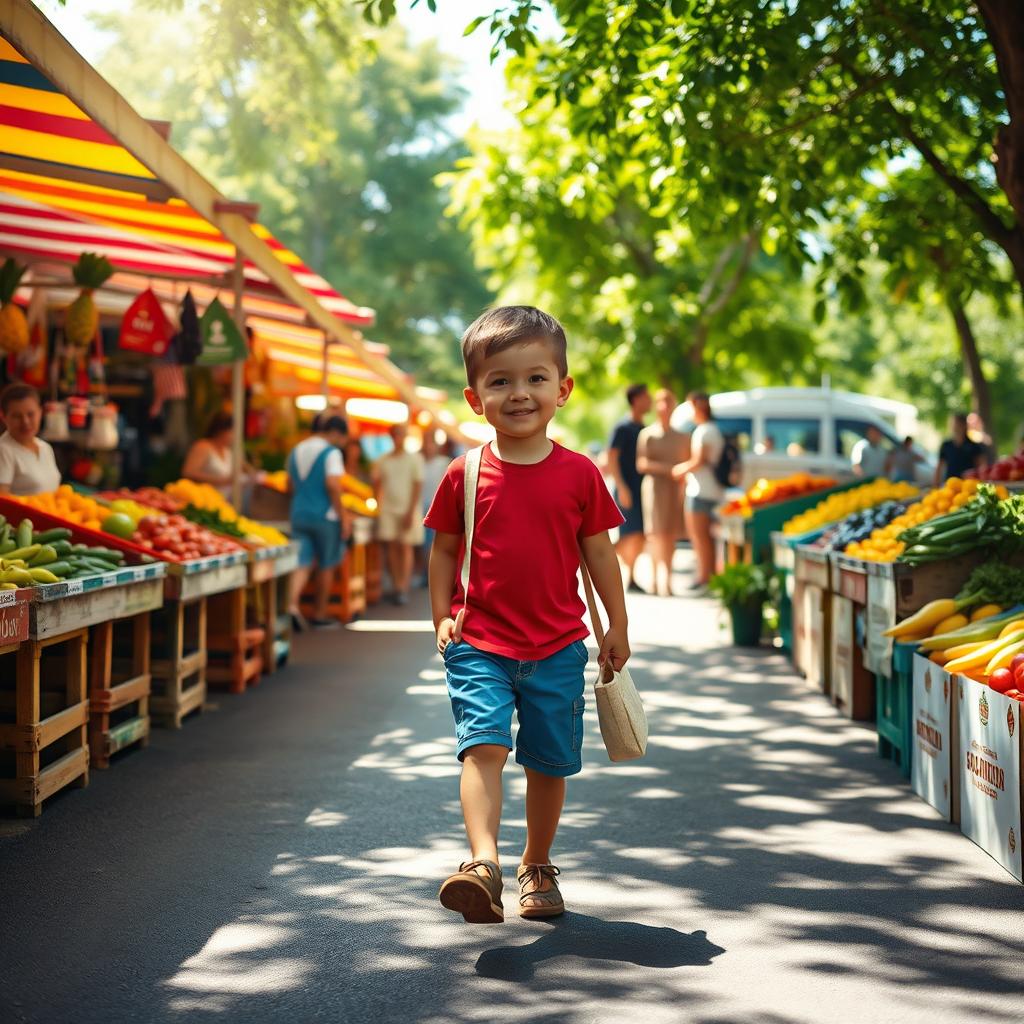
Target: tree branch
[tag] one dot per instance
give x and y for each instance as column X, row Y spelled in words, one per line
column 728, row 290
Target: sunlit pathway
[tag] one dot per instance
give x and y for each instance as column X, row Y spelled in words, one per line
column 278, row 859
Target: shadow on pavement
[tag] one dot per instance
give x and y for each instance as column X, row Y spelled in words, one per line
column 590, row 938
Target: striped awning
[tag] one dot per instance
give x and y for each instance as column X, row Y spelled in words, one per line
column 66, row 186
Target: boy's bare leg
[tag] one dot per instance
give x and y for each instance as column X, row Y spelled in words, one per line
column 545, row 796
column 480, row 791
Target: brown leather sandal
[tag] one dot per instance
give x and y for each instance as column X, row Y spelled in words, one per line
column 476, row 898
column 534, row 902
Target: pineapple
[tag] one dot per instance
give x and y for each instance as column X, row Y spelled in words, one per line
column 13, row 325
column 82, row 319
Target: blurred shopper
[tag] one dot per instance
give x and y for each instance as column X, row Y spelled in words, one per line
column 958, row 453
column 901, row 465
column 319, row 522
column 623, row 470
column 978, row 433
column 398, row 478
column 435, row 465
column 211, row 459
column 356, row 464
column 869, row 456
column 27, row 463
column 659, row 449
column 703, row 491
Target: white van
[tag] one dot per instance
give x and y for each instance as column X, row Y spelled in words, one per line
column 780, row 431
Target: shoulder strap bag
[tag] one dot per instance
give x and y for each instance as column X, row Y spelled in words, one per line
column 620, row 712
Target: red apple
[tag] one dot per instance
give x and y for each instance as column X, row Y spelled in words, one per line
column 1001, row 680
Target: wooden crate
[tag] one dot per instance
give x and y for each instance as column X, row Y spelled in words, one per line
column 44, row 715
column 119, row 686
column 234, row 651
column 178, row 667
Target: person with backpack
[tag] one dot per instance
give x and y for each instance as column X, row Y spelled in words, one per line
column 709, row 463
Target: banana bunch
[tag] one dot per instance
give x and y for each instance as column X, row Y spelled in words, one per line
column 19, row 571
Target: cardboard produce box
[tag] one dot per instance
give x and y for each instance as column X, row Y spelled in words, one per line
column 990, row 777
column 935, row 739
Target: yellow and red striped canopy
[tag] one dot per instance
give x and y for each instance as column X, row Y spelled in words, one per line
column 67, row 187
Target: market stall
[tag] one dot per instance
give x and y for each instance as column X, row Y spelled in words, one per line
column 129, row 289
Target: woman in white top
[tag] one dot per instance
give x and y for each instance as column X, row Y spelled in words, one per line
column 211, row 460
column 27, row 465
column 703, row 491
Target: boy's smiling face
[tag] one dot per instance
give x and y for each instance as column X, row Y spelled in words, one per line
column 519, row 389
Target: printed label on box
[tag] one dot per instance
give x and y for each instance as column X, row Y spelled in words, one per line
column 881, row 615
column 930, row 757
column 990, row 803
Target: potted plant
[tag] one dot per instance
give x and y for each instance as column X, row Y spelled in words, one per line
column 744, row 590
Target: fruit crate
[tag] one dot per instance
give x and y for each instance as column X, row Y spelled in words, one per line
column 234, row 653
column 178, row 661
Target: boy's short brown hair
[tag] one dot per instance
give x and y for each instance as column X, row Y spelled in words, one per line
column 507, row 326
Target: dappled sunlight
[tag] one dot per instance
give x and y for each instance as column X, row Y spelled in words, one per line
column 390, row 626
column 757, row 804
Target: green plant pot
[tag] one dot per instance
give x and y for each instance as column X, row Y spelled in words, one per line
column 747, row 620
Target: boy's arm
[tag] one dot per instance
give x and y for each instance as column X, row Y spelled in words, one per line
column 444, row 554
column 604, row 571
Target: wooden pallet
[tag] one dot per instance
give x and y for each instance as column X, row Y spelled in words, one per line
column 44, row 715
column 119, row 686
column 234, row 651
column 178, row 669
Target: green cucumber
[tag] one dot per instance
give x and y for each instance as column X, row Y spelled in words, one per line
column 106, row 554
column 62, row 547
column 24, row 534
column 7, row 546
column 49, row 536
column 61, row 569
column 43, row 556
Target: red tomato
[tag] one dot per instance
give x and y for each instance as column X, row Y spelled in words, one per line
column 1001, row 680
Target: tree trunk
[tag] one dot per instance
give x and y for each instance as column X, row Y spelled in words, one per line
column 1004, row 22
column 972, row 364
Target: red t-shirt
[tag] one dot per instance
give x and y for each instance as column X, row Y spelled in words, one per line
column 524, row 598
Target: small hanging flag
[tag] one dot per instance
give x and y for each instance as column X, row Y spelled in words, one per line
column 145, row 328
column 222, row 340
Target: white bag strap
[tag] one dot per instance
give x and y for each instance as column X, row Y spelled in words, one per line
column 469, row 487
column 595, row 615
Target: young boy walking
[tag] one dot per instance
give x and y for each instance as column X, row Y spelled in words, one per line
column 514, row 641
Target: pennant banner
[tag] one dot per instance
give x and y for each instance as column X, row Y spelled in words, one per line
column 145, row 328
column 222, row 340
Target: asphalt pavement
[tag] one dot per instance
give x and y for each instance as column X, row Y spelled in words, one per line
column 277, row 860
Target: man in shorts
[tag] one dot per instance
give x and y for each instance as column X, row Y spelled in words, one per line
column 319, row 522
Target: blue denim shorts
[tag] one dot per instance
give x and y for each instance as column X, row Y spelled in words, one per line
column 319, row 542
column 547, row 695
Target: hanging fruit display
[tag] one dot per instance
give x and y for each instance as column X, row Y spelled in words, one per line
column 13, row 325
column 82, row 318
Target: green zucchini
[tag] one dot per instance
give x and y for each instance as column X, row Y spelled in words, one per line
column 49, row 536
column 24, row 534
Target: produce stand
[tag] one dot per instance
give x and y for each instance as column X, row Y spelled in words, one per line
column 115, row 607
column 812, row 615
column 749, row 538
